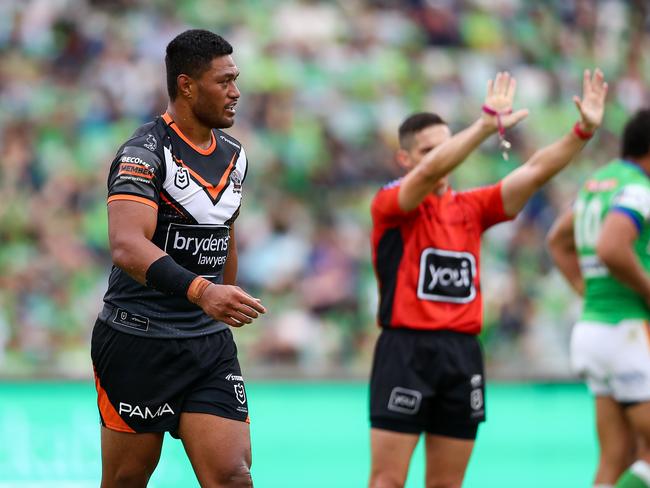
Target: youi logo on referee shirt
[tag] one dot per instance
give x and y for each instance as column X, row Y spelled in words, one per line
column 446, row 276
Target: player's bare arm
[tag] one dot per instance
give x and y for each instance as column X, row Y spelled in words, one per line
column 131, row 226
column 520, row 185
column 615, row 248
column 442, row 159
column 561, row 245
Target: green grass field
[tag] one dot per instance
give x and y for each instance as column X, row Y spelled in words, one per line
column 305, row 435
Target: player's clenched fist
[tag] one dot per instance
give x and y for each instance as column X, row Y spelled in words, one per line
column 230, row 305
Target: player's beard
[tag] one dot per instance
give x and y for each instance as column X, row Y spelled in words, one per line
column 208, row 115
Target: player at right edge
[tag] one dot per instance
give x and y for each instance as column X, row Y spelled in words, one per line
column 602, row 247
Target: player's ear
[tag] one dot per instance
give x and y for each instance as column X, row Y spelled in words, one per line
column 185, row 86
column 403, row 159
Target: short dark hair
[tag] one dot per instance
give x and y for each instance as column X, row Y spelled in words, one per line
column 190, row 53
column 414, row 124
column 636, row 135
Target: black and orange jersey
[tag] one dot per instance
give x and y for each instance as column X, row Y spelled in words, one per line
column 427, row 260
column 197, row 194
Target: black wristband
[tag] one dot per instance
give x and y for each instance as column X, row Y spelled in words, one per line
column 167, row 276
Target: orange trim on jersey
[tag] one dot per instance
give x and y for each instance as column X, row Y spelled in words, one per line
column 170, row 122
column 111, row 418
column 171, row 204
column 213, row 190
column 133, row 198
column 647, row 332
column 134, row 173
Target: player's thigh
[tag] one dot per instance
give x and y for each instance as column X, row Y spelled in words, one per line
column 128, row 459
column 218, row 448
column 390, row 457
column 447, row 460
column 617, row 442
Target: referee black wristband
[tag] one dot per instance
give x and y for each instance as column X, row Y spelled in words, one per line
column 167, row 276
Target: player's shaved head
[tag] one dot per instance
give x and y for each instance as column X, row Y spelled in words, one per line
column 414, row 124
column 191, row 53
column 636, row 135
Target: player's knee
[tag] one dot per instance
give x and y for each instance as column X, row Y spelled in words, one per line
column 614, row 463
column 127, row 477
column 436, row 482
column 384, row 479
column 617, row 456
column 237, row 476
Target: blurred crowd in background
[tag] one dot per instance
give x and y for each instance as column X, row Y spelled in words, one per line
column 324, row 86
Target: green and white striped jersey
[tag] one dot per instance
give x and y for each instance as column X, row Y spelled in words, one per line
column 620, row 186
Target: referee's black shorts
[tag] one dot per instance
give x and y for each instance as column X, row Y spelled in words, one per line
column 427, row 381
column 144, row 384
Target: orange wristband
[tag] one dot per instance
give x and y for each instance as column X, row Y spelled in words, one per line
column 196, row 289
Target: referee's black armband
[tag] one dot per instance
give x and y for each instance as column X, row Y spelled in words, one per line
column 167, row 276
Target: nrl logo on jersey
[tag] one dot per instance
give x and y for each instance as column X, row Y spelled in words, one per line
column 235, row 178
column 182, row 178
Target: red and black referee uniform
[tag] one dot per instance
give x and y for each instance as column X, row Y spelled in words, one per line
column 156, row 355
column 427, row 373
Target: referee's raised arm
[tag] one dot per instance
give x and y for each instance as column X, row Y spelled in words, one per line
column 441, row 159
column 519, row 186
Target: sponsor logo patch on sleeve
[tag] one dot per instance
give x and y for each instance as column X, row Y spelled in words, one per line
column 131, row 166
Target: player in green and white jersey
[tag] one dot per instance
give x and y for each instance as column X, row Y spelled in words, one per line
column 602, row 247
column 623, row 187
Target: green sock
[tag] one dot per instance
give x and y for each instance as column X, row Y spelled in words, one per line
column 638, row 476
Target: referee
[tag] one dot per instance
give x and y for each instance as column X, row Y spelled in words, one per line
column 427, row 375
column 162, row 348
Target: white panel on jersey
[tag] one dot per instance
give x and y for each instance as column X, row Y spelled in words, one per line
column 193, row 198
column 635, row 197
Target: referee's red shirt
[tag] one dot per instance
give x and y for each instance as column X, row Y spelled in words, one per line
column 427, row 260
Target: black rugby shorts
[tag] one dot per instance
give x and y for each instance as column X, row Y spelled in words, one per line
column 427, row 381
column 143, row 384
